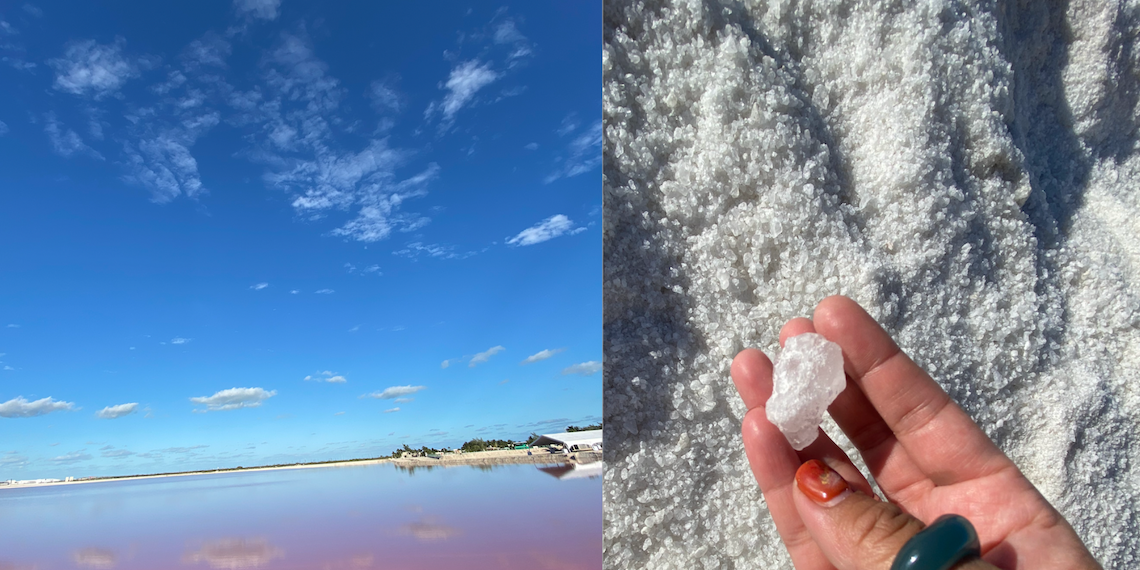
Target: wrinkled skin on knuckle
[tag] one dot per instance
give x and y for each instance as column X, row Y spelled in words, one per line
column 879, row 532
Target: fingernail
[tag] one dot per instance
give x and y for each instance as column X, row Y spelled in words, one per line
column 821, row 483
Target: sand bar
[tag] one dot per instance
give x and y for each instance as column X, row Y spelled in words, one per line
column 502, row 457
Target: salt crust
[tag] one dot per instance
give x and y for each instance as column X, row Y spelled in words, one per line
column 806, row 378
column 966, row 170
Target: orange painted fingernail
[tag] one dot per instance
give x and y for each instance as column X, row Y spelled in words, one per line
column 821, row 483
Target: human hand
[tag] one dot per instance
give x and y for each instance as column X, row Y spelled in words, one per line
column 928, row 457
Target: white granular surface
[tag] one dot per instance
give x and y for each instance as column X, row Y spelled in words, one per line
column 806, row 378
column 967, row 171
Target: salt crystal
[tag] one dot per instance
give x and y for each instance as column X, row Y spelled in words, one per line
column 806, row 378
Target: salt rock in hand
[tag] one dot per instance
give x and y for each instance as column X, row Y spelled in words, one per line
column 806, row 378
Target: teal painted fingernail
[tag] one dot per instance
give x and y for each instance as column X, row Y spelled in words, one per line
column 949, row 540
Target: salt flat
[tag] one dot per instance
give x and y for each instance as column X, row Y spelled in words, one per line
column 965, row 170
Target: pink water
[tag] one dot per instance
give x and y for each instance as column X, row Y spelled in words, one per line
column 358, row 517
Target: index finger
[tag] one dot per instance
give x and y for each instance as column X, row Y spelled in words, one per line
column 945, row 444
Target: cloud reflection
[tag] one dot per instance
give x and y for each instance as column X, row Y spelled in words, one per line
column 233, row 553
column 7, row 566
column 356, row 562
column 429, row 531
column 94, row 558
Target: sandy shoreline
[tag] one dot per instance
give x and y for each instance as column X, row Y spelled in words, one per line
column 504, row 457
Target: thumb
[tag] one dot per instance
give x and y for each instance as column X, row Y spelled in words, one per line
column 854, row 531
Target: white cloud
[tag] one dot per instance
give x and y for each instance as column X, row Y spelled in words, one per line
column 391, row 410
column 117, row 453
column 416, row 249
column 584, row 154
column 14, row 53
column 160, row 159
column 209, row 50
column 263, row 9
column 445, row 364
column 547, row 229
column 3, row 128
column 259, row 286
column 403, row 400
column 339, row 414
column 20, row 408
column 384, row 97
column 506, row 32
column 64, row 141
column 569, row 125
column 112, row 412
column 324, row 291
column 13, row 326
column 584, row 369
column 373, row 269
column 12, row 460
column 483, row 356
column 394, row 392
column 541, row 355
column 73, row 457
column 294, row 292
column 298, row 139
column 531, row 146
column 326, row 376
column 234, row 398
column 90, row 67
column 465, row 80
column 180, row 340
column 157, row 148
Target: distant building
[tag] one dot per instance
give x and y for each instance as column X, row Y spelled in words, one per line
column 572, row 441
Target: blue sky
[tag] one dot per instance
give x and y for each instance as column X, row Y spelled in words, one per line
column 265, row 231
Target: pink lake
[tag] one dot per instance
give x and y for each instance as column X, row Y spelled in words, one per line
column 356, row 517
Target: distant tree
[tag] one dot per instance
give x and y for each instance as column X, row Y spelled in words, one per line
column 474, row 445
column 570, row 429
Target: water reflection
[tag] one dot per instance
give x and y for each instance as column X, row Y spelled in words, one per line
column 362, row 517
column 427, row 530
column 94, row 558
column 357, row 562
column 574, row 471
column 233, row 553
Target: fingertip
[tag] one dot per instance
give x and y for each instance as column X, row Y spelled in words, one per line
column 751, row 373
column 834, row 309
column 794, row 327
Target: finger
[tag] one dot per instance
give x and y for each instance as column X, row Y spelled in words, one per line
column 826, row 450
column 854, row 414
column 751, row 372
column 823, row 448
column 772, row 459
column 943, row 442
column 890, row 464
column 854, row 531
column 794, row 327
column 774, row 462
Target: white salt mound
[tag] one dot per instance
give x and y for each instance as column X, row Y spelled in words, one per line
column 806, row 378
column 966, row 170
